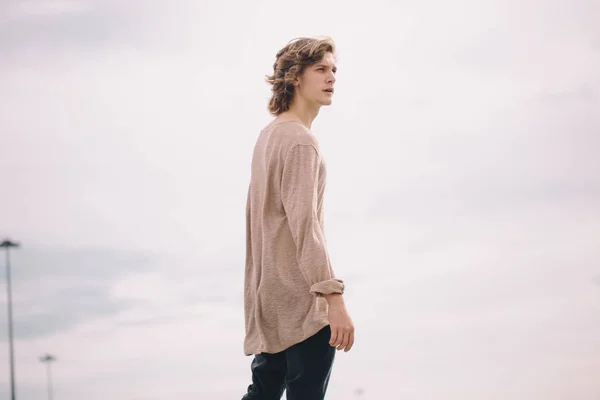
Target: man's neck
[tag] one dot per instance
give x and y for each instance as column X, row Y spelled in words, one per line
column 302, row 112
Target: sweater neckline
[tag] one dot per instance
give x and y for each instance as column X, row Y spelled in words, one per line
column 275, row 122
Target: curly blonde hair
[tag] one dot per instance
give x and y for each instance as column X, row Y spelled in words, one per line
column 289, row 63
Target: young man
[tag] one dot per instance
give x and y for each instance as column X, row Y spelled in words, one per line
column 295, row 316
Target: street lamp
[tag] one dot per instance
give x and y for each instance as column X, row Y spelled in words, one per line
column 48, row 359
column 6, row 245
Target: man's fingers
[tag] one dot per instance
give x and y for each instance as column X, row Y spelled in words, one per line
column 339, row 339
column 344, row 341
column 350, row 342
column 342, row 338
column 334, row 336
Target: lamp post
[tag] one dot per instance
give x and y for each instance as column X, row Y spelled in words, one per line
column 48, row 359
column 6, row 245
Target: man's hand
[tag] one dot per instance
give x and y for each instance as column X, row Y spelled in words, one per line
column 342, row 327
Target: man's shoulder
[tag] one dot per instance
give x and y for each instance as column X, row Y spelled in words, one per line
column 293, row 133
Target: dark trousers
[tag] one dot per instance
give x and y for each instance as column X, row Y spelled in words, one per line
column 303, row 370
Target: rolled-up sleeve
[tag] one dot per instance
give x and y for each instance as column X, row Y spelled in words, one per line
column 299, row 193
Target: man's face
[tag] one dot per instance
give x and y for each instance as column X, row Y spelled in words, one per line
column 316, row 82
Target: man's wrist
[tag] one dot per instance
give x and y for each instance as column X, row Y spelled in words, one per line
column 334, row 298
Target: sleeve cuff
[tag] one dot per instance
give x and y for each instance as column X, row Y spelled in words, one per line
column 329, row 286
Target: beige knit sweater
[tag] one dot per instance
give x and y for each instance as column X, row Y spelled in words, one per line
column 287, row 263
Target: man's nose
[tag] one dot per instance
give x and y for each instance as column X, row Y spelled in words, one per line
column 331, row 78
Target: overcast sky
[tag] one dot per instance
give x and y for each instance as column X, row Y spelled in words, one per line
column 462, row 208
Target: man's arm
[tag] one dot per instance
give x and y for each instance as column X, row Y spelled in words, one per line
column 299, row 186
column 299, row 192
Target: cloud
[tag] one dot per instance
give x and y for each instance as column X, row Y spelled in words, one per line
column 583, row 94
column 33, row 8
column 147, row 321
column 55, row 291
column 66, row 32
column 46, row 30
